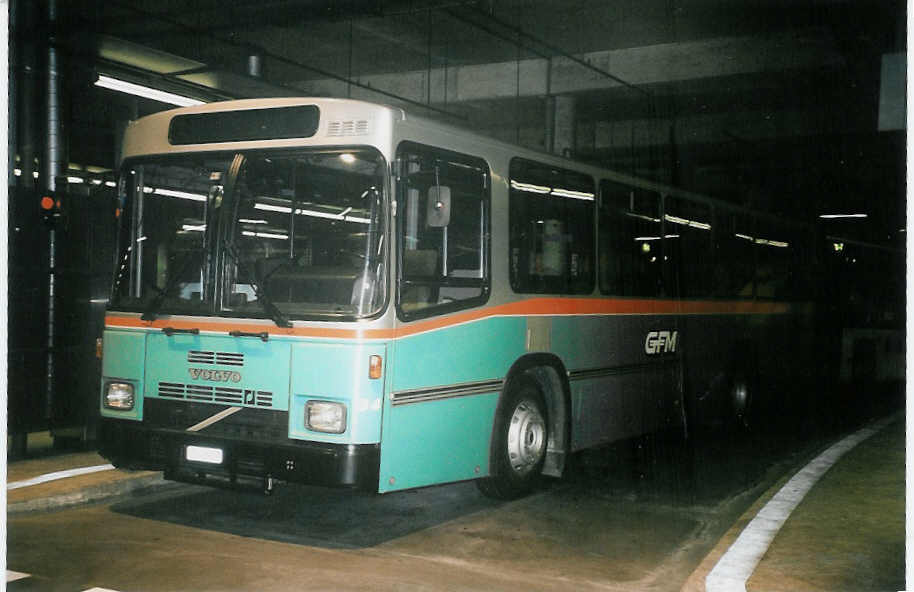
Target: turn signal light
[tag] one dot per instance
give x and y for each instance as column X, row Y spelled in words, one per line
column 374, row 367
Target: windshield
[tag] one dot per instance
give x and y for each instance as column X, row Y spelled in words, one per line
column 266, row 234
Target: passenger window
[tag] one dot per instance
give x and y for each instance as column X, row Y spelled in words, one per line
column 688, row 248
column 734, row 240
column 551, row 229
column 631, row 241
column 774, row 253
column 443, row 231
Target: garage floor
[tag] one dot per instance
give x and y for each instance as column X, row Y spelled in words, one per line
column 648, row 514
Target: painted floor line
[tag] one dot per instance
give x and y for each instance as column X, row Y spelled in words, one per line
column 12, row 576
column 734, row 568
column 58, row 475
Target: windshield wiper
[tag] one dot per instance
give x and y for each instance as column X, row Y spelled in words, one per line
column 152, row 310
column 259, row 290
column 169, row 331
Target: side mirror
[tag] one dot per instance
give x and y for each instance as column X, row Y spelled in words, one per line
column 438, row 213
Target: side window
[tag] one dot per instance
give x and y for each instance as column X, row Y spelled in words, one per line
column 775, row 251
column 631, row 241
column 688, row 247
column 551, row 229
column 734, row 241
column 443, row 231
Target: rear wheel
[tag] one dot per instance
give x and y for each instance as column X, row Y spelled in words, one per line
column 741, row 401
column 519, row 442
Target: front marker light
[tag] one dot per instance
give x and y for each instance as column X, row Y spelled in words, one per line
column 325, row 416
column 375, row 366
column 119, row 395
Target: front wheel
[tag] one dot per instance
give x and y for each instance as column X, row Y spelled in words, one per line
column 519, row 442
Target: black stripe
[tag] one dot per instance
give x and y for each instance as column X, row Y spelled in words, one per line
column 438, row 393
column 590, row 373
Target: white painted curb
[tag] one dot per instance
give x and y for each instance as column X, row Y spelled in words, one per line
column 736, row 566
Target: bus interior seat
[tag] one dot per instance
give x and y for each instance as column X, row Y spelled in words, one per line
column 286, row 281
column 450, row 293
column 419, row 264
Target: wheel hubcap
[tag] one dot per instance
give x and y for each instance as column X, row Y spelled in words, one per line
column 740, row 397
column 526, row 437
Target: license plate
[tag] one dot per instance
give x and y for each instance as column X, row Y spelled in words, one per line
column 203, row 454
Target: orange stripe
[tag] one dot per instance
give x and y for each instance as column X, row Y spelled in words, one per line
column 533, row 306
column 113, row 320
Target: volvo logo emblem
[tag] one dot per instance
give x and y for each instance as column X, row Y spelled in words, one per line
column 215, row 375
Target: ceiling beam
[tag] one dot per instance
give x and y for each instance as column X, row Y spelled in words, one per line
column 651, row 65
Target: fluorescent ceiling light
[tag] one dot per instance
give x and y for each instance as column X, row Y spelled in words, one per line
column 529, row 187
column 573, row 194
column 687, row 222
column 145, row 92
column 655, row 238
column 832, row 216
column 266, row 235
column 642, row 217
column 558, row 192
column 772, row 243
column 763, row 241
column 312, row 213
column 178, row 194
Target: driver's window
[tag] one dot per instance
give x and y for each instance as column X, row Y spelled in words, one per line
column 307, row 233
column 443, row 231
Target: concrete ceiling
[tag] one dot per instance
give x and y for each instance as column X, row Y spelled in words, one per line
column 770, row 102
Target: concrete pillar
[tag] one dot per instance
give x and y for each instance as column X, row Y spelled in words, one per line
column 560, row 125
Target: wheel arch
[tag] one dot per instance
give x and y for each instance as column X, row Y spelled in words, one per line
column 550, row 374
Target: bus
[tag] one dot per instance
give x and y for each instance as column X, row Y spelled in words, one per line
column 340, row 293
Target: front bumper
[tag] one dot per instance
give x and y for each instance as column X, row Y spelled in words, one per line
column 141, row 446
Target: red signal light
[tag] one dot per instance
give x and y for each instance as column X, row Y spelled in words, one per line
column 47, row 203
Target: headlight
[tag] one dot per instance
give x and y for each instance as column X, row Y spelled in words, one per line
column 325, row 416
column 119, row 395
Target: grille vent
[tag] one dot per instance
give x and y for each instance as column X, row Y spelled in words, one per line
column 348, row 128
column 222, row 358
column 215, row 394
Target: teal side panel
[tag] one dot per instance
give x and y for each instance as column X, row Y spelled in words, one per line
column 265, row 366
column 586, row 342
column 123, row 359
column 445, row 440
column 483, row 350
column 339, row 373
column 437, row 442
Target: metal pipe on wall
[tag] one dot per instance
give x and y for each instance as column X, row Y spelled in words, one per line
column 55, row 161
column 54, row 166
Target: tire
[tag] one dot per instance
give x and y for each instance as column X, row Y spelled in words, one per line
column 519, row 442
